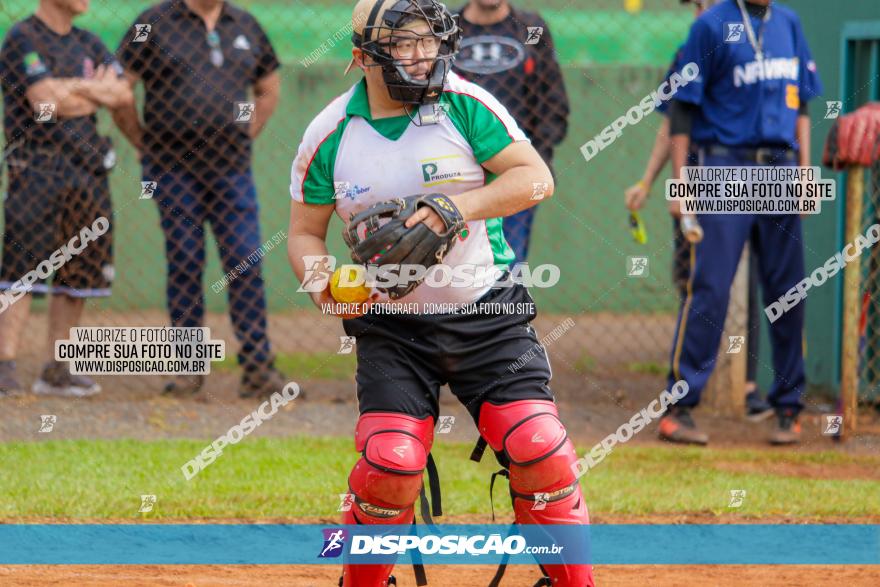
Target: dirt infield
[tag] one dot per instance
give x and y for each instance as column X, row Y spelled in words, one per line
column 447, row 576
column 453, row 575
column 600, row 378
column 593, row 403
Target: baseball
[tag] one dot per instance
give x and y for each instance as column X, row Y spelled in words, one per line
column 352, row 290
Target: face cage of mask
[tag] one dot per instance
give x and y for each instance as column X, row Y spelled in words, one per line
column 401, row 86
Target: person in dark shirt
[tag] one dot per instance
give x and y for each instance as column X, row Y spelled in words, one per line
column 55, row 76
column 510, row 52
column 210, row 81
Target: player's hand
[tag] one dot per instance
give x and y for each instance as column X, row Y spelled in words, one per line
column 323, row 300
column 634, row 197
column 429, row 217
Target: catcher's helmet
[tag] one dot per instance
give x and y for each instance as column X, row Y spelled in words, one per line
column 374, row 23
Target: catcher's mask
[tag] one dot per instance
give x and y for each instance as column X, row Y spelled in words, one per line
column 382, row 28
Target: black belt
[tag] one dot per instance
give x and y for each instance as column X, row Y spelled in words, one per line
column 43, row 154
column 761, row 155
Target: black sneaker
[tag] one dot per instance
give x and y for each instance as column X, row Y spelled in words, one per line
column 788, row 428
column 262, row 383
column 678, row 426
column 9, row 385
column 757, row 408
column 184, row 386
column 56, row 379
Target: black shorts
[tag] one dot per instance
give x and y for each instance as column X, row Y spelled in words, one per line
column 403, row 360
column 49, row 201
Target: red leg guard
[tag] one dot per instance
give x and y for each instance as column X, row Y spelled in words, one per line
column 569, row 510
column 535, row 442
column 386, row 480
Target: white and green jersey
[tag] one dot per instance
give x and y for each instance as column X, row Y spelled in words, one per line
column 361, row 161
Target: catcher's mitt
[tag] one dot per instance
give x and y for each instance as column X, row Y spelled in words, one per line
column 377, row 236
column 854, row 139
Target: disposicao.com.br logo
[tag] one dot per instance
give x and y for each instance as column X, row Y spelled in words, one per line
column 457, row 544
column 434, row 544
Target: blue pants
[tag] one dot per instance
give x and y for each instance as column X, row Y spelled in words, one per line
column 229, row 203
column 777, row 243
column 518, row 230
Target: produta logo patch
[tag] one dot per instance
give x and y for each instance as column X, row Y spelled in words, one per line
column 439, row 170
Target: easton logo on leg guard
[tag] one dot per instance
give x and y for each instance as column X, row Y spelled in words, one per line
column 377, row 511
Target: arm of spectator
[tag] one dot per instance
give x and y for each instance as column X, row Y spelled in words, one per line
column 81, row 97
column 552, row 96
column 681, row 116
column 680, row 123
column 23, row 70
column 67, row 94
column 659, row 153
column 636, row 195
column 267, row 82
column 107, row 89
column 267, row 90
column 803, row 134
column 126, row 115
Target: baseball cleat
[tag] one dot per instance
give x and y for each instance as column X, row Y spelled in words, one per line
column 56, row 379
column 678, row 426
column 757, row 408
column 9, row 385
column 787, row 430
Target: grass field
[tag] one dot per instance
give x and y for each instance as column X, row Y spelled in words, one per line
column 302, row 477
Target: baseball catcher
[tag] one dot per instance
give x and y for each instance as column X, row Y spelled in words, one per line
column 421, row 166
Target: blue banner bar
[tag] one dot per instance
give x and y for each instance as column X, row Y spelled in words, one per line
column 230, row 544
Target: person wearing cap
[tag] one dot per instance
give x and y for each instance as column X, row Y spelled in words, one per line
column 510, row 53
column 412, row 126
column 211, row 84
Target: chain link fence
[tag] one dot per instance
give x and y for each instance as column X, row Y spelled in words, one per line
column 185, row 200
column 869, row 321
